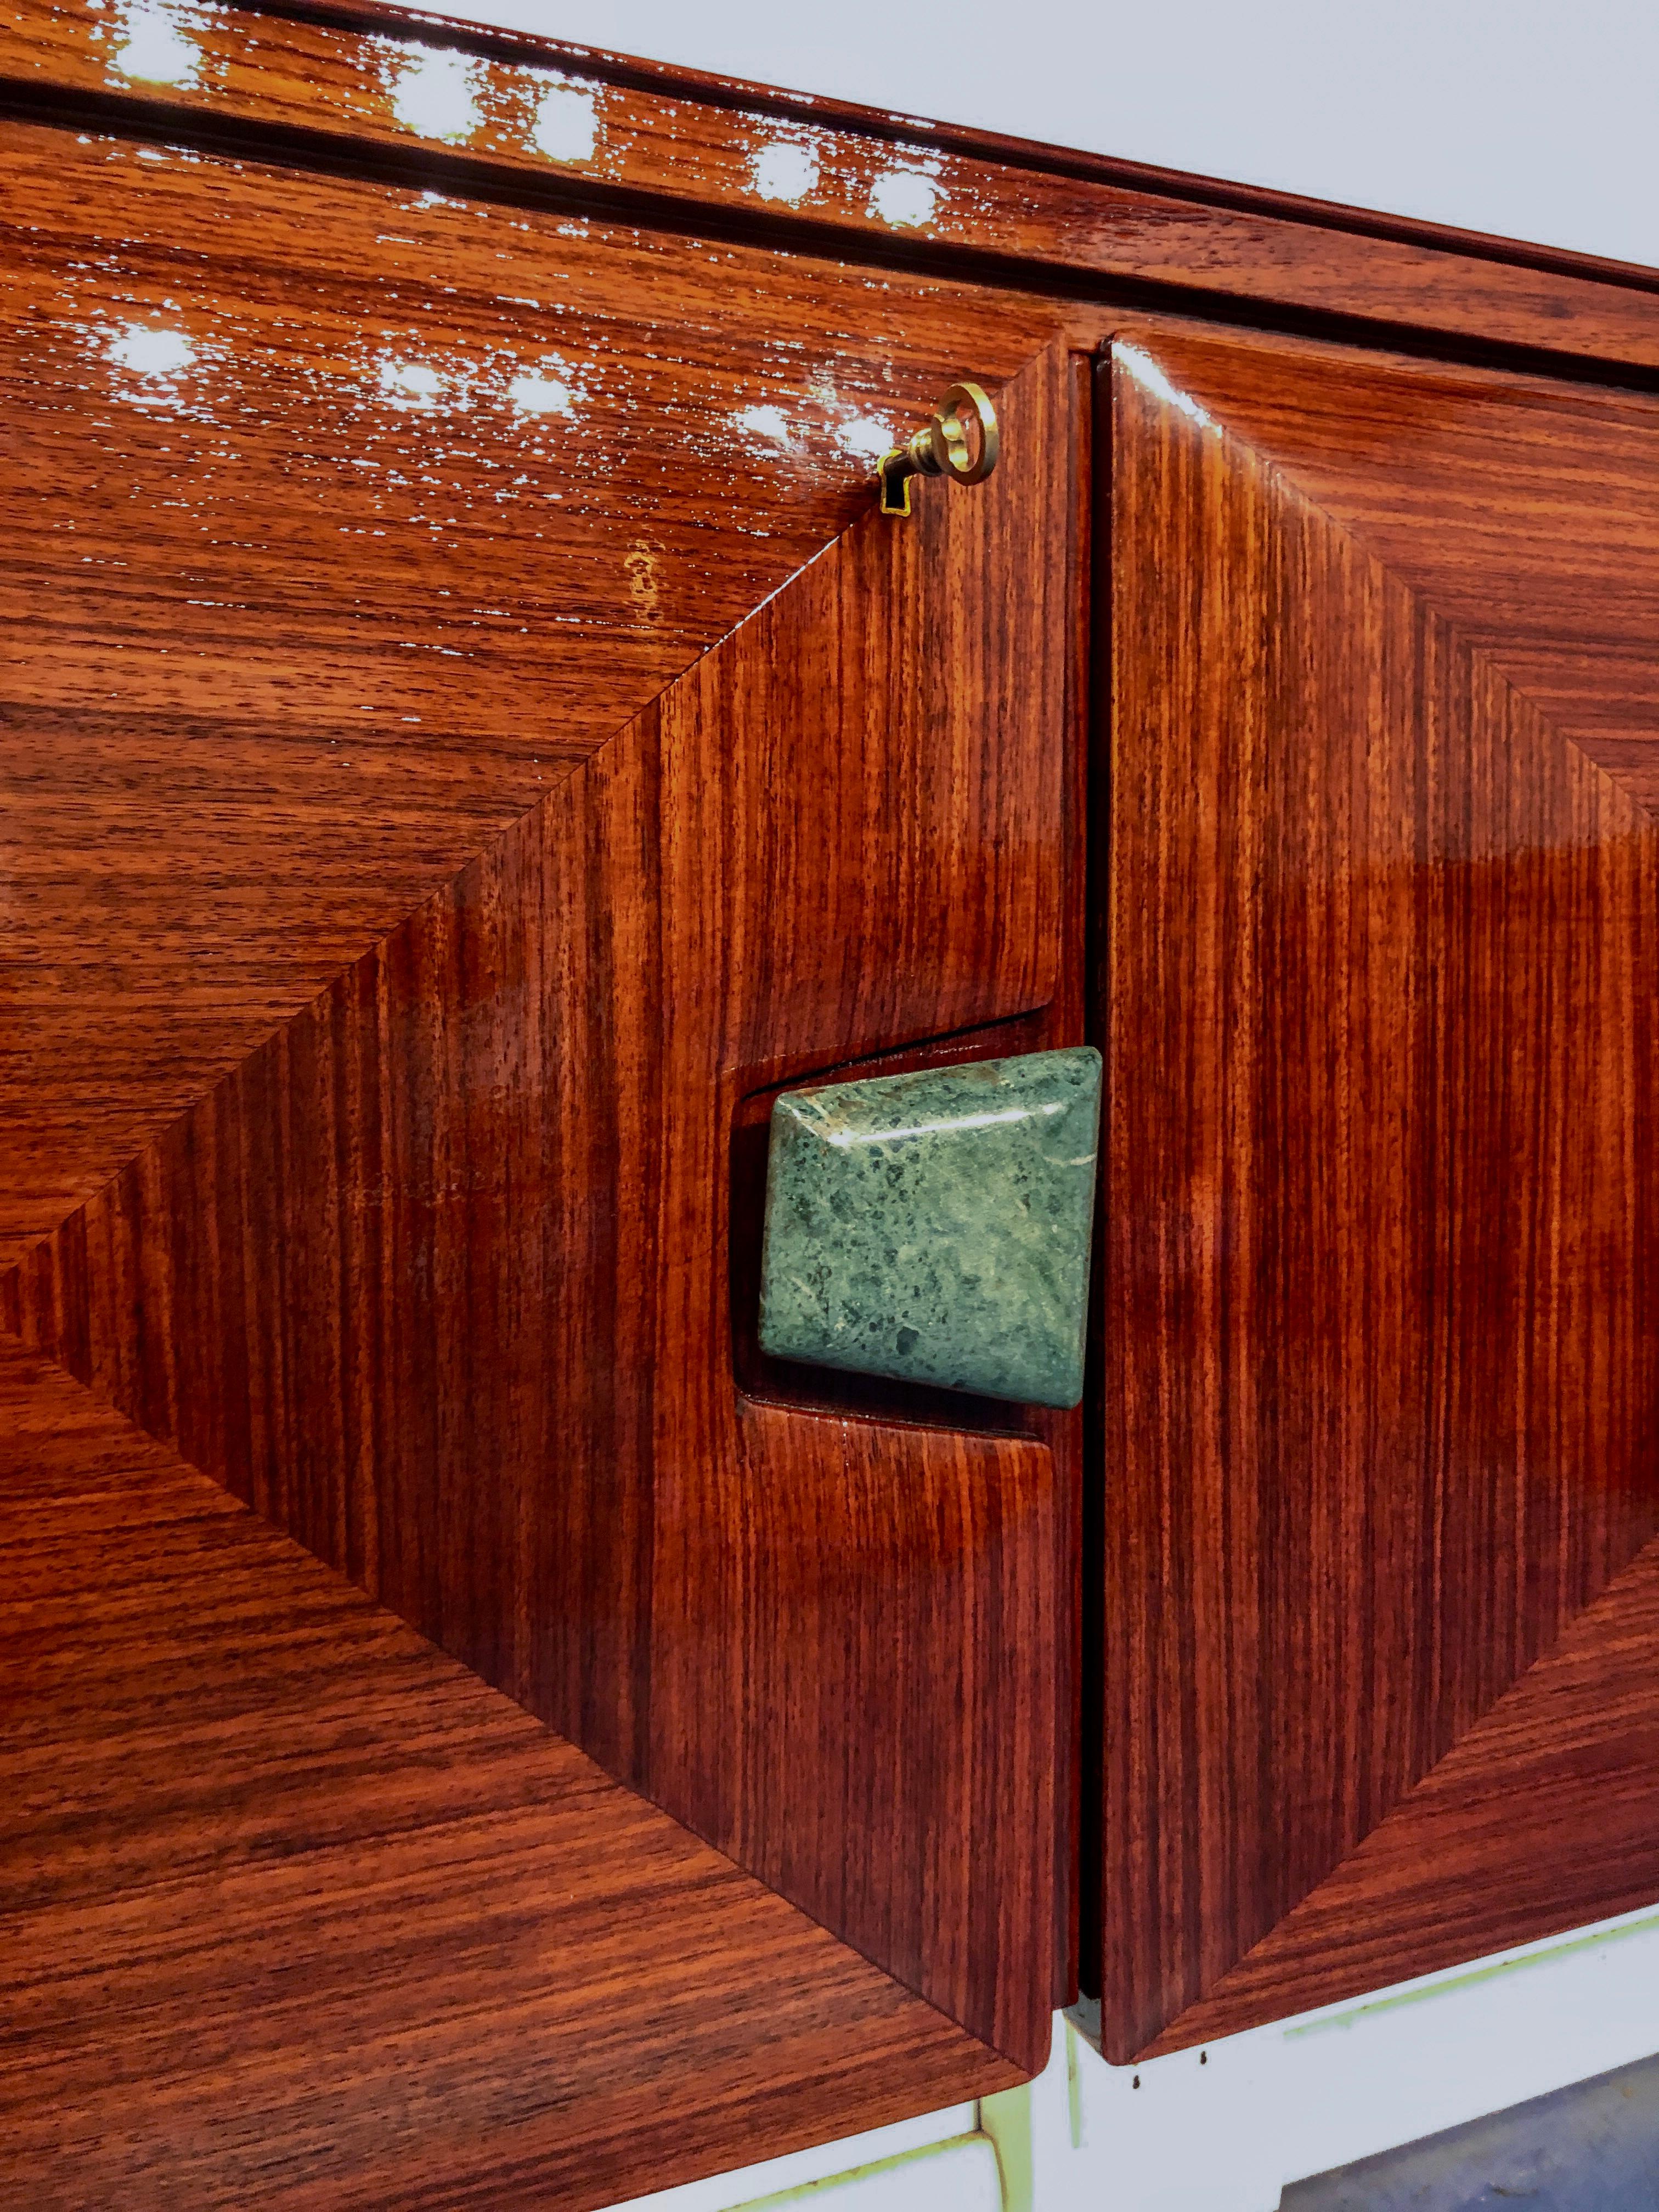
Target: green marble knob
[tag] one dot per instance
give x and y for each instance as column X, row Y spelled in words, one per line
column 935, row 1227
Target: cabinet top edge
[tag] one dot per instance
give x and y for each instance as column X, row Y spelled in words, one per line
column 301, row 81
column 751, row 97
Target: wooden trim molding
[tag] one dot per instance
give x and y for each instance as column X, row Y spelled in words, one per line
column 489, row 111
column 753, row 97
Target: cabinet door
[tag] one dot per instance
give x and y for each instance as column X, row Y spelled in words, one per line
column 1376, row 1682
column 440, row 1278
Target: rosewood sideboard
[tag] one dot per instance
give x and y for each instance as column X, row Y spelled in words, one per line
column 477, row 1728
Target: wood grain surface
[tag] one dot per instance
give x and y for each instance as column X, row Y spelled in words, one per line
column 1451, row 1872
column 405, row 906
column 295, row 1912
column 337, row 523
column 436, row 1280
column 1380, row 1341
column 521, row 115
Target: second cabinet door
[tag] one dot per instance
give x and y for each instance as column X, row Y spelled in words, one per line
column 1375, row 1686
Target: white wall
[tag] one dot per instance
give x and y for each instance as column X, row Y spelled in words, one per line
column 1536, row 119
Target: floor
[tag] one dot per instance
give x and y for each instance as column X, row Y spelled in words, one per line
column 1593, row 2147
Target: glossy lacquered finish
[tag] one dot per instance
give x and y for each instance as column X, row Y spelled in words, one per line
column 338, row 523
column 437, row 1279
column 1376, row 980
column 418, row 886
column 532, row 119
column 297, row 1913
